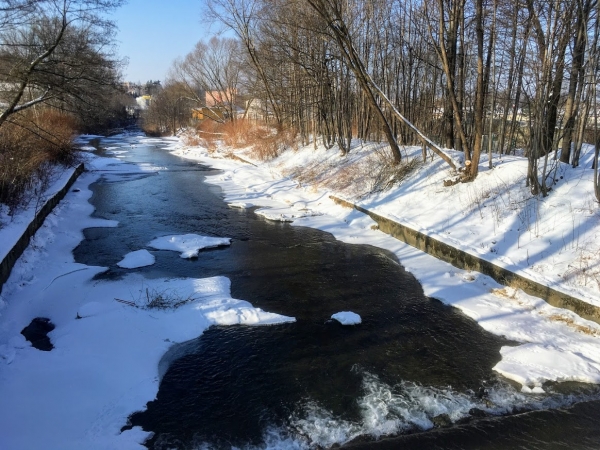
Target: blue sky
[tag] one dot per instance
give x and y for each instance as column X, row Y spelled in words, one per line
column 152, row 33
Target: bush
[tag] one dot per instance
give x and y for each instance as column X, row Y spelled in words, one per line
column 165, row 299
column 265, row 142
column 30, row 147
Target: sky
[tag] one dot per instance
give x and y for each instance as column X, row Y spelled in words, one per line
column 153, row 33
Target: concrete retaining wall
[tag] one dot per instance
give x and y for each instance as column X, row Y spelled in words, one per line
column 463, row 260
column 11, row 258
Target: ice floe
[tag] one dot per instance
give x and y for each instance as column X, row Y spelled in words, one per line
column 189, row 245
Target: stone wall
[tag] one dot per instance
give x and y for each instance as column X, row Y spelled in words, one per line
column 467, row 261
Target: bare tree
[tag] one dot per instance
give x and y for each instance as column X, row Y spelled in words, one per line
column 332, row 13
column 427, row 71
column 241, row 16
column 170, row 109
column 212, row 71
column 37, row 39
column 584, row 9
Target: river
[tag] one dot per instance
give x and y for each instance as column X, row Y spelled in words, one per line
column 415, row 374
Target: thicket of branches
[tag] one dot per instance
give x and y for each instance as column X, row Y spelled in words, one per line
column 58, row 75
column 477, row 76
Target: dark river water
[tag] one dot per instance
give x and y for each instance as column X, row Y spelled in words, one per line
column 415, row 373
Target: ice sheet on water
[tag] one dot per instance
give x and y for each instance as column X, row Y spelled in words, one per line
column 247, row 316
column 347, row 318
column 241, row 205
column 138, row 258
column 284, row 214
column 533, row 364
column 188, row 244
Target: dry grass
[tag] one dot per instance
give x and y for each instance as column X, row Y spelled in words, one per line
column 152, row 129
column 238, row 134
column 356, row 177
column 30, row 146
column 511, row 293
column 584, row 270
column 318, row 173
column 192, row 140
column 165, row 299
column 383, row 174
column 264, row 142
column 361, row 177
column 576, row 326
column 505, row 292
column 208, row 134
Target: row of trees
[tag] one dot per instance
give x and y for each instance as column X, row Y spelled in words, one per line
column 212, row 75
column 477, row 76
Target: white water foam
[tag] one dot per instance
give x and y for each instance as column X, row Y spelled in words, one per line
column 391, row 410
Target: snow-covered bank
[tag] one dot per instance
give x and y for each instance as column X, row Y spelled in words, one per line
column 13, row 227
column 552, row 240
column 108, row 338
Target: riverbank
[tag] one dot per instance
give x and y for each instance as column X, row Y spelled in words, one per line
column 553, row 241
column 109, row 336
column 17, row 233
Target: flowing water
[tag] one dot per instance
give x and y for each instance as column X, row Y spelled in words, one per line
column 414, row 374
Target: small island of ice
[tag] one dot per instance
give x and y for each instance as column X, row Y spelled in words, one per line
column 347, row 318
column 139, row 258
column 241, row 205
column 188, row 244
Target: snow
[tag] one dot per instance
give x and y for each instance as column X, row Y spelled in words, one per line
column 284, row 214
column 12, row 228
column 347, row 318
column 529, row 364
column 188, row 244
column 138, row 258
column 246, row 316
column 92, row 309
column 241, row 205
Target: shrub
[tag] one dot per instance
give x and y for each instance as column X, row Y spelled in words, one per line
column 265, row 142
column 31, row 146
column 165, row 299
column 268, row 143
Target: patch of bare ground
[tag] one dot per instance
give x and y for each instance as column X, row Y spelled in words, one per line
column 576, row 326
